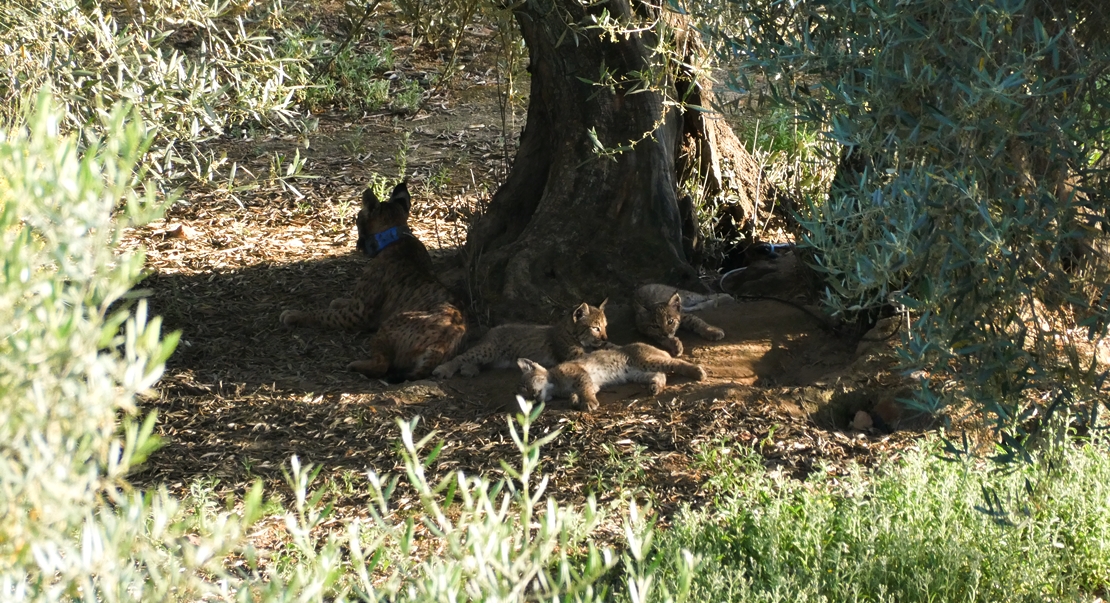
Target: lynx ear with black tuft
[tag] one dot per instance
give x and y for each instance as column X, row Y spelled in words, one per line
column 526, row 365
column 603, row 302
column 369, row 199
column 675, row 302
column 401, row 195
column 581, row 311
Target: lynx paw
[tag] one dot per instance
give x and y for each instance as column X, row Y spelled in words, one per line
column 583, row 403
column 714, row 334
column 290, row 318
column 370, row 368
column 658, row 383
column 444, row 371
column 674, row 346
column 701, row 374
column 469, row 370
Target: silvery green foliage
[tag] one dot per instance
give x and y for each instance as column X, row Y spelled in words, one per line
column 71, row 364
column 75, row 355
column 191, row 68
column 971, row 185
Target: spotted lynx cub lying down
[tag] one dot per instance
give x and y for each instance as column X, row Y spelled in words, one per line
column 582, row 378
column 661, row 310
column 580, row 331
column 398, row 294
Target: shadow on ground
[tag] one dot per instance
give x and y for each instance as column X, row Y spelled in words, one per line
column 243, row 393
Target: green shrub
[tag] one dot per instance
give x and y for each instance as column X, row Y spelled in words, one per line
column 352, row 80
column 192, row 69
column 970, row 188
column 441, row 23
column 72, row 363
column 915, row 530
column 506, row 541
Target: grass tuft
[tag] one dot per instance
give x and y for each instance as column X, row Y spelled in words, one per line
column 916, row 530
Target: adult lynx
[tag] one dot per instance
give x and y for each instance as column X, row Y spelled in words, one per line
column 418, row 325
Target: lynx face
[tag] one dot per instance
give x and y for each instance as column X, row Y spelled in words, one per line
column 662, row 310
column 590, row 325
column 375, row 220
column 534, row 381
column 660, row 320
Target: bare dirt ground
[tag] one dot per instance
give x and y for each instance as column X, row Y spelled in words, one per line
column 242, row 394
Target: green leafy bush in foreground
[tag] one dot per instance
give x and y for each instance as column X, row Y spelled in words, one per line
column 71, row 526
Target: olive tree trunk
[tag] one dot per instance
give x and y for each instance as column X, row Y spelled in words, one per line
column 569, row 225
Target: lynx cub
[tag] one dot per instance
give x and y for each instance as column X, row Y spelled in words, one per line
column 418, row 325
column 582, row 378
column 661, row 310
column 579, row 331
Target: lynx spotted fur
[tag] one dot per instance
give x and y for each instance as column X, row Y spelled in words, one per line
column 661, row 310
column 582, row 378
column 581, row 330
column 418, row 325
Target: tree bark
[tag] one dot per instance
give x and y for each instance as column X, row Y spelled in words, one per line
column 567, row 225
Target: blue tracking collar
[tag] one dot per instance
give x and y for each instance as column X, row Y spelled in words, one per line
column 386, row 238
